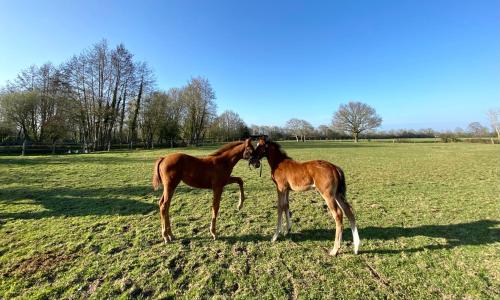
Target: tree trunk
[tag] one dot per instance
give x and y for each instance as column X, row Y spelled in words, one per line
column 297, row 137
column 53, row 147
column 355, row 137
column 23, row 151
column 136, row 113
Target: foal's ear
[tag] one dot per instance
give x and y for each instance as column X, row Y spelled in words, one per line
column 248, row 142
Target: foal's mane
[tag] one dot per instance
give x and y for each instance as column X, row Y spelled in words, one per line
column 278, row 148
column 226, row 147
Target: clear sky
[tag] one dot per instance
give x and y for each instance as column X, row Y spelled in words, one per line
column 419, row 63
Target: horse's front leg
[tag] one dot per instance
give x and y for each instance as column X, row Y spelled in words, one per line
column 215, row 210
column 239, row 181
column 281, row 196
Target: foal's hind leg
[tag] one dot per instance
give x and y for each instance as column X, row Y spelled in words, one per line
column 168, row 192
column 337, row 215
column 239, row 181
column 286, row 206
column 341, row 200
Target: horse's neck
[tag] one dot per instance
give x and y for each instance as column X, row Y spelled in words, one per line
column 233, row 155
column 275, row 157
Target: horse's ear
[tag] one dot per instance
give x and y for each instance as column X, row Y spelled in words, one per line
column 248, row 141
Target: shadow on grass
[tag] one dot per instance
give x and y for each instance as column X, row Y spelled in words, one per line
column 482, row 232
column 65, row 160
column 70, row 202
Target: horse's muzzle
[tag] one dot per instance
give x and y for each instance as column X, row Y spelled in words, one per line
column 255, row 162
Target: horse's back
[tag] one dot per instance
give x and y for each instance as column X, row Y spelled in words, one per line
column 193, row 171
column 304, row 175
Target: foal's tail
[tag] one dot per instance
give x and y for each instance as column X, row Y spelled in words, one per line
column 156, row 174
column 341, row 189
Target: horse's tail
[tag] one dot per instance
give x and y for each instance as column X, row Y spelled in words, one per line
column 341, row 188
column 156, row 174
column 341, row 199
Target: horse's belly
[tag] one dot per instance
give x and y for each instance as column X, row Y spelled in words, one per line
column 301, row 188
column 197, row 182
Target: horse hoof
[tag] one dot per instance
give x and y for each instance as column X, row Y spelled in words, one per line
column 168, row 239
column 334, row 252
column 356, row 247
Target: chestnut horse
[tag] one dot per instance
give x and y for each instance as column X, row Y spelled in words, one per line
column 325, row 177
column 209, row 172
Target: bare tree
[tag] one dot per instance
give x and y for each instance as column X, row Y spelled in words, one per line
column 476, row 129
column 146, row 81
column 198, row 98
column 326, row 132
column 299, row 128
column 494, row 116
column 354, row 118
column 293, row 127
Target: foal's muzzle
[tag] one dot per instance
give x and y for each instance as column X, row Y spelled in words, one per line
column 255, row 162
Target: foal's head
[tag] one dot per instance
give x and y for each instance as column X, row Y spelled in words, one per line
column 260, row 151
column 248, row 152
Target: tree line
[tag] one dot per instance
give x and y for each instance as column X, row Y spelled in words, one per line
column 104, row 97
column 355, row 119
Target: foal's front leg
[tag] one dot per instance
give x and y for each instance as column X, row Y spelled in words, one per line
column 281, row 196
column 239, row 181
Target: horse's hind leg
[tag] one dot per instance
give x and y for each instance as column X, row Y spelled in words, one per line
column 341, row 200
column 168, row 192
column 239, row 181
column 162, row 218
column 286, row 206
column 337, row 215
column 215, row 210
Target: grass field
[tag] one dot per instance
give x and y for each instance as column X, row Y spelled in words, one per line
column 80, row 226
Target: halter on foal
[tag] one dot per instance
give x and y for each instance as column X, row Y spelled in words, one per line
column 210, row 172
column 289, row 174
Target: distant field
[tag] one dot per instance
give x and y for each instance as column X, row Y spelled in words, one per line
column 79, row 226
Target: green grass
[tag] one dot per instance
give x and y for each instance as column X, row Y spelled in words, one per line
column 80, row 226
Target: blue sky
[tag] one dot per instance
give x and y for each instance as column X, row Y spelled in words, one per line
column 419, row 63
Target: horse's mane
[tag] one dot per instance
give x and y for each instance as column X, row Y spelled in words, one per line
column 278, row 148
column 226, row 147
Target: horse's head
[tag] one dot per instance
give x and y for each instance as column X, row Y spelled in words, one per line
column 260, row 151
column 248, row 152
